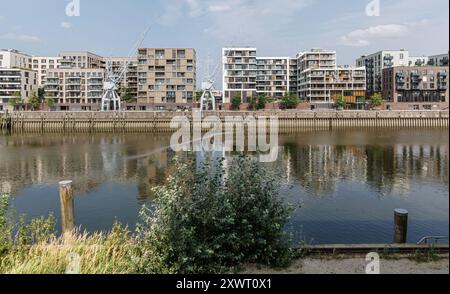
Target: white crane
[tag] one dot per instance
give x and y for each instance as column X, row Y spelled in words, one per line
column 111, row 99
column 208, row 99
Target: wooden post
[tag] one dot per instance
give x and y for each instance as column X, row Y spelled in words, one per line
column 401, row 226
column 66, row 196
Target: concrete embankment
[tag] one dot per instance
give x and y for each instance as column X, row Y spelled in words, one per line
column 289, row 121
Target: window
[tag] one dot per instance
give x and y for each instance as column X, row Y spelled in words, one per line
column 402, row 56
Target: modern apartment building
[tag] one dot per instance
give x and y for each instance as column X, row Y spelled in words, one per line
column 293, row 75
column 316, row 58
column 321, row 81
column 438, row 60
column 313, row 76
column 16, row 80
column 321, row 86
column 239, row 73
column 75, row 89
column 81, row 59
column 129, row 83
column 376, row 62
column 416, row 87
column 166, row 78
column 273, row 76
column 42, row 65
column 418, row 60
column 11, row 58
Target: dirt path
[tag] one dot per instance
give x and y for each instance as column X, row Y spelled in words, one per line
column 357, row 265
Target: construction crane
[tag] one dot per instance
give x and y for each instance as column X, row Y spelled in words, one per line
column 111, row 99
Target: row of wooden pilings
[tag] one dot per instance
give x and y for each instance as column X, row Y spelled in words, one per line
column 286, row 125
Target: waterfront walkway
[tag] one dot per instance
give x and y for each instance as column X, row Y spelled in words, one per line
column 357, row 265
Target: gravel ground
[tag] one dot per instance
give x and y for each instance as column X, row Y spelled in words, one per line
column 357, row 265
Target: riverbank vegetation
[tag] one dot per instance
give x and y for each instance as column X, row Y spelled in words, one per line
column 213, row 220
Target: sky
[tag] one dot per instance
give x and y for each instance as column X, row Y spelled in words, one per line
column 275, row 27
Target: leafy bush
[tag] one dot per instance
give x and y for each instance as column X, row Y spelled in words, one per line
column 19, row 234
column 290, row 101
column 214, row 220
column 376, row 100
column 6, row 225
column 340, row 101
column 236, row 102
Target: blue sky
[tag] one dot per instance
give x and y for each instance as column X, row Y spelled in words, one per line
column 278, row 28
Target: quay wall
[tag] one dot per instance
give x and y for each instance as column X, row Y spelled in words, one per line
column 289, row 121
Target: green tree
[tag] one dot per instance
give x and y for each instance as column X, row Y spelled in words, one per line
column 16, row 100
column 236, row 102
column 127, row 95
column 198, row 95
column 253, row 102
column 290, row 101
column 340, row 101
column 50, row 101
column 376, row 100
column 34, row 101
column 262, row 101
column 41, row 94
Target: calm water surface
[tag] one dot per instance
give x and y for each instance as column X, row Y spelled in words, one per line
column 348, row 182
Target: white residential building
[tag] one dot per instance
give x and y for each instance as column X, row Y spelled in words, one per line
column 376, row 62
column 13, row 81
column 322, row 86
column 438, row 60
column 11, row 58
column 42, row 64
column 418, row 60
column 273, row 76
column 321, row 81
column 313, row 76
column 75, row 89
column 81, row 59
column 239, row 73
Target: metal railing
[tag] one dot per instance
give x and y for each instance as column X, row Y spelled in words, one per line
column 436, row 239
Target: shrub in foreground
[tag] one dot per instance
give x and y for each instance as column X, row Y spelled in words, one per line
column 214, row 220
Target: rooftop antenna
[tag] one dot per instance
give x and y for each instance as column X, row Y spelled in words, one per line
column 111, row 100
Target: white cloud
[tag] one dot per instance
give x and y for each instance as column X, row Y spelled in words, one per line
column 230, row 16
column 247, row 21
column 365, row 37
column 19, row 37
column 66, row 25
column 218, row 8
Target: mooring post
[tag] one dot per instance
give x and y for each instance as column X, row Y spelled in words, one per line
column 400, row 226
column 66, row 196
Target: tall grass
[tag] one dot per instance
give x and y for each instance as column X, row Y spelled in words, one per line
column 111, row 253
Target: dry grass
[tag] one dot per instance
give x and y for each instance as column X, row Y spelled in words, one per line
column 98, row 254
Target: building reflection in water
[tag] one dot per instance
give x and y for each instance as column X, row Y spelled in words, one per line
column 314, row 164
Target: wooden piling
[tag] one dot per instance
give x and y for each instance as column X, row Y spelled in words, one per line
column 66, row 196
column 400, row 226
